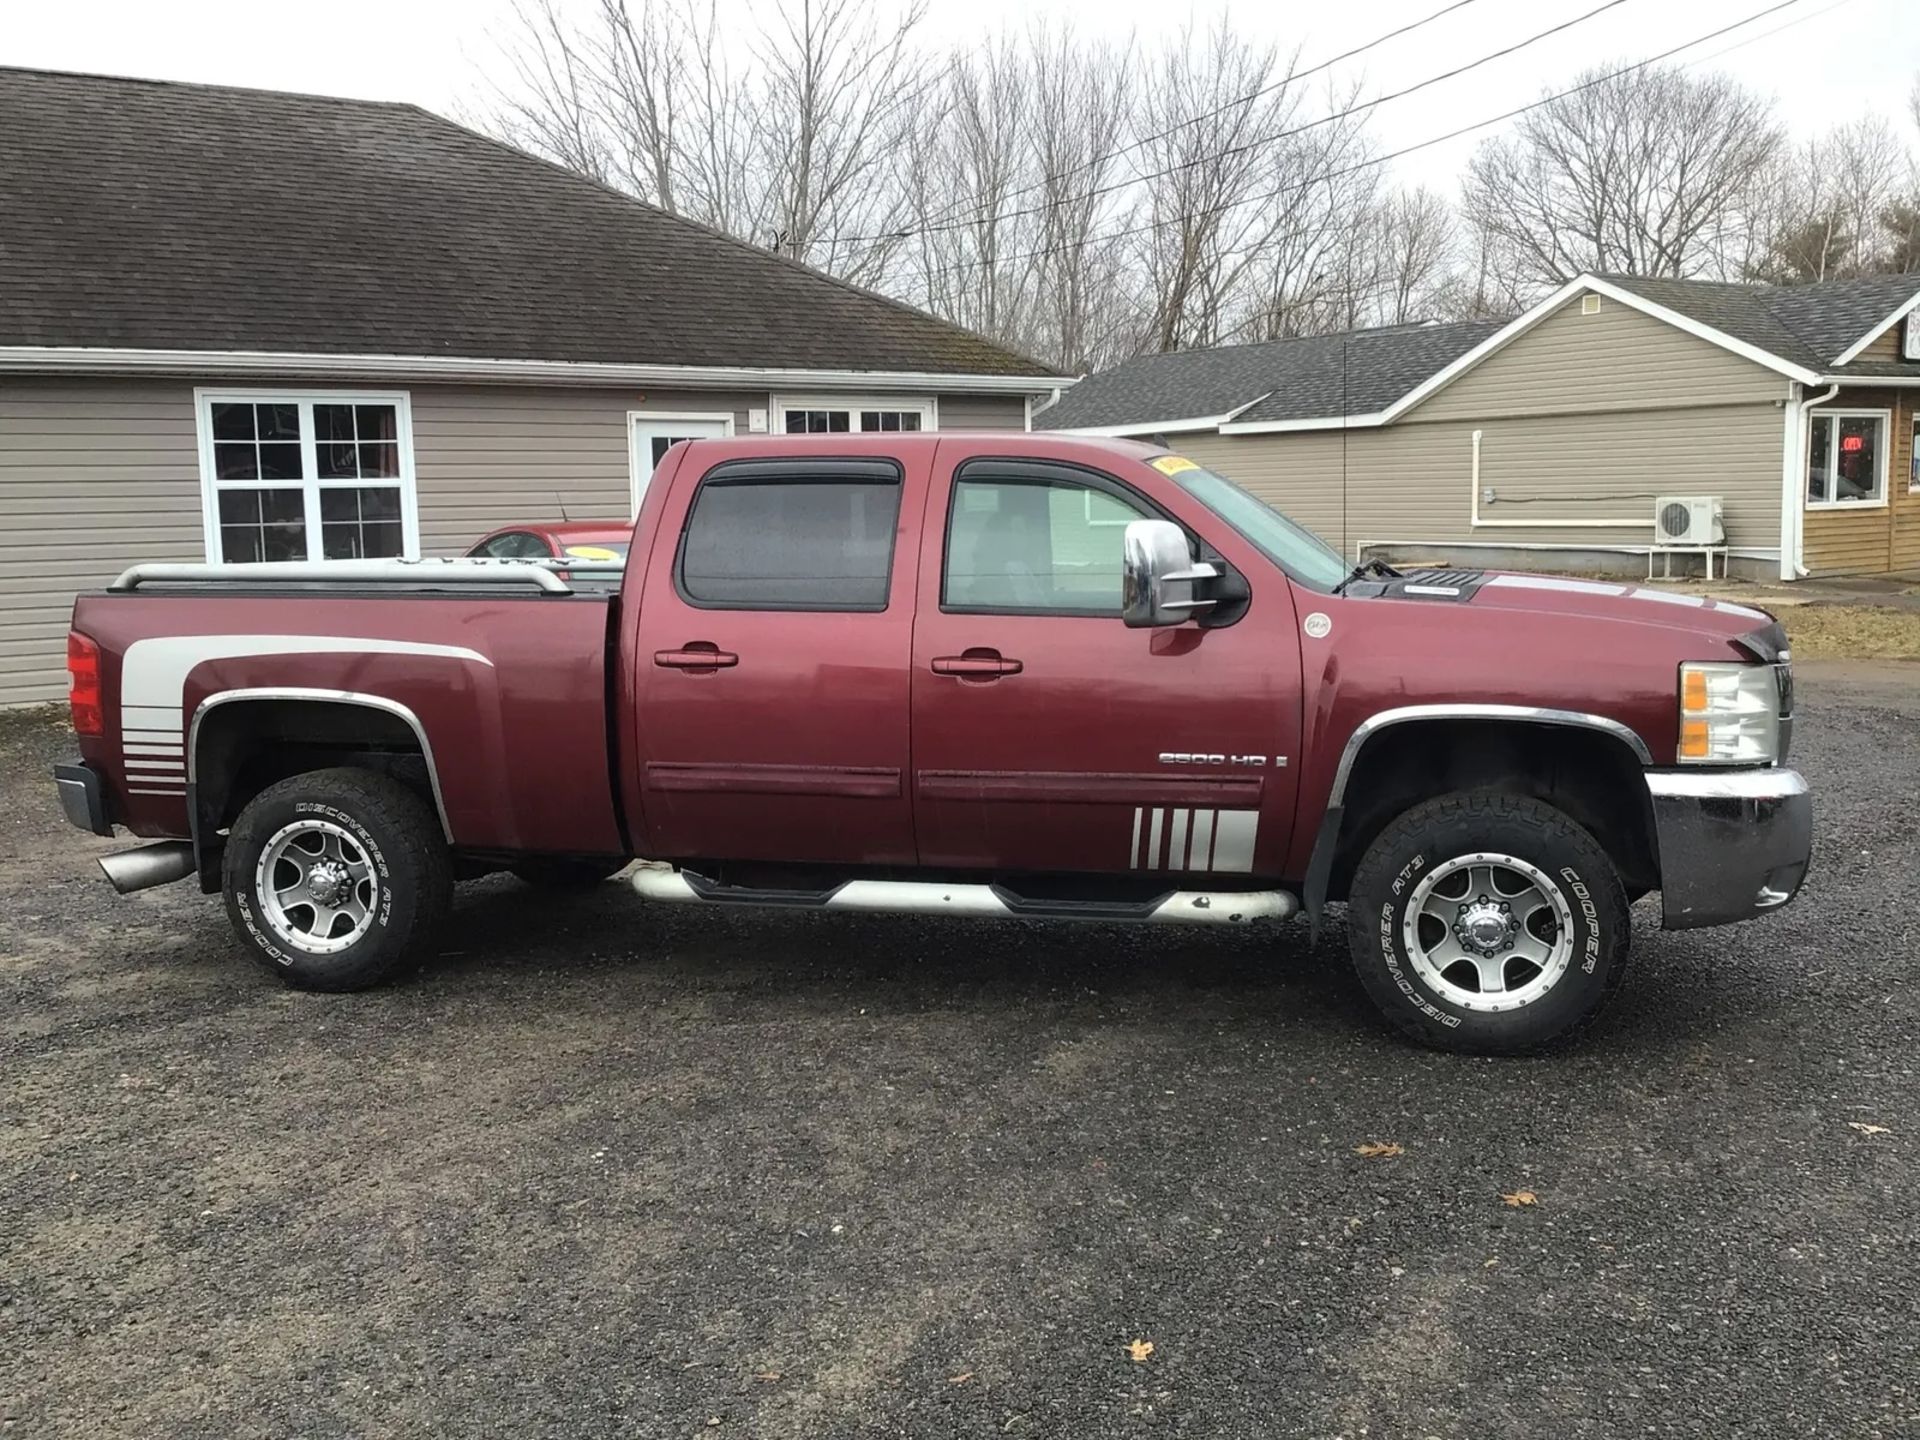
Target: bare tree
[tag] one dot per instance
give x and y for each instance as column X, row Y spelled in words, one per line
column 1211, row 111
column 1415, row 239
column 1641, row 172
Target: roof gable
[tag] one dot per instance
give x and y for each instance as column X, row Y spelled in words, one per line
column 158, row 216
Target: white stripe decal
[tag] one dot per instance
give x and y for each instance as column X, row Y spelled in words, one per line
column 178, row 792
column 1153, row 841
column 1177, row 842
column 144, row 749
column 153, row 673
column 175, row 767
column 1133, row 850
column 1202, row 857
column 1233, row 840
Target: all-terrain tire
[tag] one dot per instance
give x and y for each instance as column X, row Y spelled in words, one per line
column 384, row 832
column 1572, row 866
column 561, row 874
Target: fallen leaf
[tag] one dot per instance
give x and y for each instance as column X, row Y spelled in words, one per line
column 962, row 1378
column 767, row 1377
column 1521, row 1197
column 1866, row 1129
column 1378, row 1150
column 1140, row 1350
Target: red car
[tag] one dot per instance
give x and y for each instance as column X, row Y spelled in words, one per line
column 1009, row 675
column 570, row 539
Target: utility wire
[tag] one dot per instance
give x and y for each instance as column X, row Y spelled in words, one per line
column 1390, row 155
column 936, row 227
column 1288, row 79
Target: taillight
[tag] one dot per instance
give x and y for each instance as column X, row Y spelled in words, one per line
column 83, row 684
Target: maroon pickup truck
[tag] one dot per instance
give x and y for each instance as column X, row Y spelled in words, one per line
column 986, row 675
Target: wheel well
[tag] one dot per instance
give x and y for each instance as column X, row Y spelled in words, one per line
column 242, row 747
column 1591, row 776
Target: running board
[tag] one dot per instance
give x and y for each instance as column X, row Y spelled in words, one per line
column 926, row 897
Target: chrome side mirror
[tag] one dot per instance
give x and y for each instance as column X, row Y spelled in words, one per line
column 1160, row 572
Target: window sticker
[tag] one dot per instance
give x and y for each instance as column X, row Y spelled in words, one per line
column 1172, row 464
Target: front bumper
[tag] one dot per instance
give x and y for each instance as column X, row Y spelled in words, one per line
column 83, row 798
column 1733, row 843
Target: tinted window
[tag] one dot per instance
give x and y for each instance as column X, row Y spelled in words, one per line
column 1033, row 545
column 791, row 544
column 516, row 545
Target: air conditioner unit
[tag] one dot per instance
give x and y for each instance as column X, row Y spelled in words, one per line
column 1688, row 520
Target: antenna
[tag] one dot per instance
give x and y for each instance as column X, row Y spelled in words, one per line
column 566, row 518
column 1343, row 442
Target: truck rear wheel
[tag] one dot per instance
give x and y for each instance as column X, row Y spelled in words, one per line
column 335, row 879
column 1488, row 923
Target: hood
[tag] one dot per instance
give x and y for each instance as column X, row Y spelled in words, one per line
column 1756, row 631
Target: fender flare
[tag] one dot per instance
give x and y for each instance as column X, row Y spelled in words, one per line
column 1327, row 843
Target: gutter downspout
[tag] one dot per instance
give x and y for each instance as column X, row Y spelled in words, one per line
column 1793, row 473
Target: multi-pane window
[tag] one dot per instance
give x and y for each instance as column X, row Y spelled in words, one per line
column 1847, row 457
column 307, row 477
column 820, row 417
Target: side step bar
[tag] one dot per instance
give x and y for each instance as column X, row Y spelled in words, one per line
column 927, row 897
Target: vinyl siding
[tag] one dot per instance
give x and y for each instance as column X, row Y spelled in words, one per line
column 97, row 474
column 1877, row 538
column 94, row 475
column 1412, row 482
column 1617, row 359
column 982, row 412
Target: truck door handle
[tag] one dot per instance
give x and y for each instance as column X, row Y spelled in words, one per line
column 696, row 655
column 977, row 664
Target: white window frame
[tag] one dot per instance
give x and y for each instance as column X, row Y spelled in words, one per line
column 1884, row 460
column 640, row 471
column 206, row 397
column 928, row 407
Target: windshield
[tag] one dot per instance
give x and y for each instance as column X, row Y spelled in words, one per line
column 1298, row 551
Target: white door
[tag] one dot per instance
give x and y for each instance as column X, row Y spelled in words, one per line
column 655, row 431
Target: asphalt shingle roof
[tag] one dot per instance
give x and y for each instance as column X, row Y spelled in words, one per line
column 1808, row 325
column 1364, row 371
column 1309, row 377
column 150, row 215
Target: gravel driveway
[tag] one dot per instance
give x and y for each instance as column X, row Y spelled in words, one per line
column 608, row 1171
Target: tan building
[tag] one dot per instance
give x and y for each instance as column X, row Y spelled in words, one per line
column 242, row 325
column 1544, row 442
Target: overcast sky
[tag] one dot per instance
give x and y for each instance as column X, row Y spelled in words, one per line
column 1824, row 61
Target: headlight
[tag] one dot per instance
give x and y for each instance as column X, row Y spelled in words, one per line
column 1729, row 714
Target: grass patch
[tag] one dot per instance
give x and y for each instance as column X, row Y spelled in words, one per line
column 1852, row 632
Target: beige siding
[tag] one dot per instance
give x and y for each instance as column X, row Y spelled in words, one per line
column 1413, row 482
column 487, row 456
column 94, row 475
column 982, row 412
column 1617, row 359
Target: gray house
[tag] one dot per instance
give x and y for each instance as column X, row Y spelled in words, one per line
column 1544, row 441
column 237, row 324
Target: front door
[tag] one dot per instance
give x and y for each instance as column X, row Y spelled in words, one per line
column 1047, row 735
column 653, row 434
column 771, row 666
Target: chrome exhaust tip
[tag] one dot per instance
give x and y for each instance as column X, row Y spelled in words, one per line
column 150, row 865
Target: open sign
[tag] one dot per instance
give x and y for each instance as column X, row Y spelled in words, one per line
column 1851, row 443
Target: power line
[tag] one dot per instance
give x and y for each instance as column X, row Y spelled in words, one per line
column 1392, row 154
column 938, row 227
column 1764, row 34
column 1289, row 78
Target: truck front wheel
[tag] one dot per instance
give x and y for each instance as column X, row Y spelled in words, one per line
column 335, row 878
column 1488, row 923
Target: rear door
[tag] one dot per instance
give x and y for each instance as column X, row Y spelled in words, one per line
column 1050, row 737
column 773, row 651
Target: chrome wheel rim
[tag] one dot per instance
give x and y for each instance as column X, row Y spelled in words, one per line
column 1488, row 932
column 316, row 886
